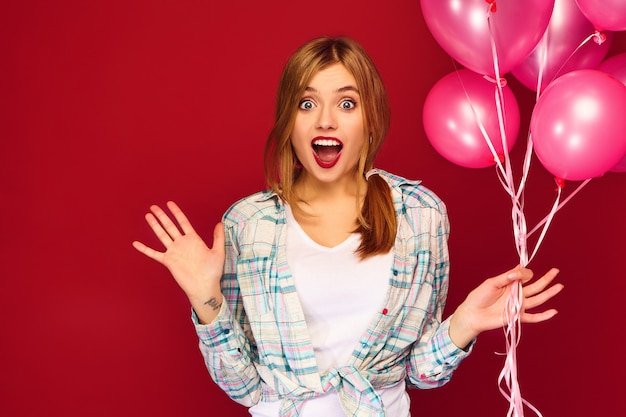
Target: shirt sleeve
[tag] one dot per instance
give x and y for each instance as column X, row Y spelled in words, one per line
column 433, row 362
column 225, row 343
column 435, row 357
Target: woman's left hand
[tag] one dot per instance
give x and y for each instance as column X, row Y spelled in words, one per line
column 483, row 309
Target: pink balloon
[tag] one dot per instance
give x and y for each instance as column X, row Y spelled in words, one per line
column 620, row 166
column 578, row 125
column 567, row 30
column 616, row 66
column 605, row 14
column 461, row 28
column 453, row 129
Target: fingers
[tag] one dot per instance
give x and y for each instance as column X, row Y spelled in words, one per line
column 166, row 224
column 540, row 297
column 167, row 231
column 520, row 273
column 156, row 226
column 218, row 237
column 516, row 274
column 539, row 285
column 163, row 226
column 149, row 252
column 537, row 293
column 180, row 217
column 538, row 317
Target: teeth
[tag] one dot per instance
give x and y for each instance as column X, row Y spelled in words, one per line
column 326, row 142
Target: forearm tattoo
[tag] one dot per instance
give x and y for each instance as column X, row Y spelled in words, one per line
column 213, row 303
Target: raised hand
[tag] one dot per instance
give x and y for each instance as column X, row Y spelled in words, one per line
column 196, row 268
column 483, row 309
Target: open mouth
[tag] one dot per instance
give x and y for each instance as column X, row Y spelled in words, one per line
column 327, row 151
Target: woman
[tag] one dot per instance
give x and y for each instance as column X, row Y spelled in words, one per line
column 325, row 293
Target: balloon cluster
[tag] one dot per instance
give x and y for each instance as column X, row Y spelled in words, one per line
column 578, row 126
column 553, row 47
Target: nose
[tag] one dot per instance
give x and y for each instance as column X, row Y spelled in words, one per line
column 326, row 118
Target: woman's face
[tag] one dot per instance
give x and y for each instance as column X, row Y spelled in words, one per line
column 329, row 130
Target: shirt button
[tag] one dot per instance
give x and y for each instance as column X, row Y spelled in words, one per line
column 385, row 311
column 226, row 331
column 395, row 272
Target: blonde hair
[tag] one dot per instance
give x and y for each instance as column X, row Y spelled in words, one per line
column 377, row 220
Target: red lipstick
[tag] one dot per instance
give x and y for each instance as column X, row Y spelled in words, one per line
column 326, row 150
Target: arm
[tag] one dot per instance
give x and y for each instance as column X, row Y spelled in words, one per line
column 442, row 345
column 225, row 343
column 203, row 274
column 434, row 357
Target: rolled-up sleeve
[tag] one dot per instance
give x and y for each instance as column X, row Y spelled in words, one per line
column 433, row 361
column 435, row 357
column 228, row 352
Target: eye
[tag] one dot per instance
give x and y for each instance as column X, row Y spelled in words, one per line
column 306, row 104
column 347, row 104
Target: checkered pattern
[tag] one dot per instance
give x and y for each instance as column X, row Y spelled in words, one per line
column 258, row 348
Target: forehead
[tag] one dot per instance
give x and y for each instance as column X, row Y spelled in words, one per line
column 332, row 78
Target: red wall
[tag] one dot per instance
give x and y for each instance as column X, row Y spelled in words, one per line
column 109, row 106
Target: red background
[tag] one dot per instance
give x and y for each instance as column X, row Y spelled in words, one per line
column 109, row 106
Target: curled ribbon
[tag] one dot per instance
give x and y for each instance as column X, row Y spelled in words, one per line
column 507, row 380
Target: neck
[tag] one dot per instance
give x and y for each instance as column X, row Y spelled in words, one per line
column 308, row 189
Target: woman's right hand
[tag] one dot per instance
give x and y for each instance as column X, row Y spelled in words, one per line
column 196, row 268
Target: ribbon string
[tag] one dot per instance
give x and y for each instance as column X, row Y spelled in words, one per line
column 508, row 378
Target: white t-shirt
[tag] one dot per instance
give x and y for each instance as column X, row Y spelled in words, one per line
column 340, row 295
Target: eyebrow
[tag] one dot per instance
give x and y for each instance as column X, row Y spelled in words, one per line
column 339, row 90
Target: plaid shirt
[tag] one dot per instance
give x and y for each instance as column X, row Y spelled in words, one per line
column 258, row 348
